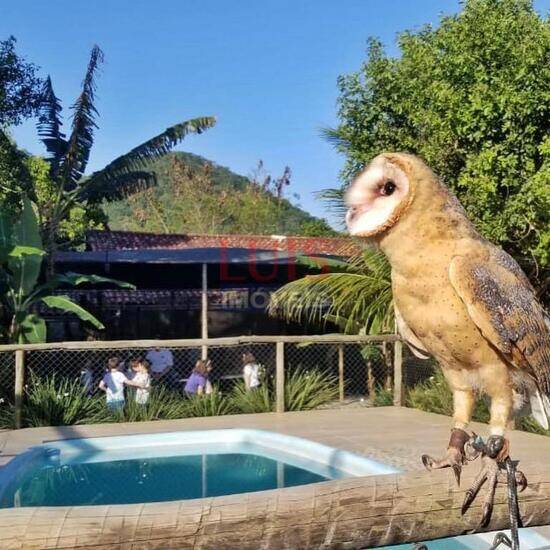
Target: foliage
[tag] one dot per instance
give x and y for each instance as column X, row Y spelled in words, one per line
column 163, row 404
column 19, row 85
column 316, row 228
column 67, row 199
column 55, row 401
column 471, row 98
column 195, row 196
column 434, row 395
column 80, row 218
column 21, row 255
column 383, row 398
column 13, row 175
column 212, row 404
column 258, row 400
column 309, row 389
column 353, row 294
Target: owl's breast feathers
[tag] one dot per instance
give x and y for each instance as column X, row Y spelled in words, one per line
column 502, row 304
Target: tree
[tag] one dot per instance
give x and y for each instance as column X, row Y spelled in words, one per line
column 19, row 85
column 21, row 255
column 79, row 219
column 68, row 157
column 200, row 197
column 470, row 97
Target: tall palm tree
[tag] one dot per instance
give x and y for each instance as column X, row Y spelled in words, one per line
column 68, row 157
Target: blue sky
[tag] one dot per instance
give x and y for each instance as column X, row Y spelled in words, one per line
column 266, row 68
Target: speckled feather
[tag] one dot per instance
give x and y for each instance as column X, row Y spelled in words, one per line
column 503, row 305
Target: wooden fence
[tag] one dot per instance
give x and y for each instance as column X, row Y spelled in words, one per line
column 280, row 343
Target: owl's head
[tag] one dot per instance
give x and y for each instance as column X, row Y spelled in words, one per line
column 380, row 194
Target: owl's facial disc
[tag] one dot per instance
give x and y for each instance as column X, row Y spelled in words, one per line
column 376, row 198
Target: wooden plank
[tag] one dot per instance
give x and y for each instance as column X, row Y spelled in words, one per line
column 198, row 342
column 398, row 386
column 19, row 385
column 280, row 377
column 352, row 513
column 341, row 371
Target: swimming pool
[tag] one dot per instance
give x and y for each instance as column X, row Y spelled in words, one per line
column 172, row 466
column 184, row 465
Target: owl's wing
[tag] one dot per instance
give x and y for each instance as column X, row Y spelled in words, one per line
column 503, row 305
column 415, row 345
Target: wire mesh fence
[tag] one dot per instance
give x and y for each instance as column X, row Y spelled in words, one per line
column 416, row 370
column 350, row 369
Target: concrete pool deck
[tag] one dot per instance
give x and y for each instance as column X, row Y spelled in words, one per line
column 394, row 435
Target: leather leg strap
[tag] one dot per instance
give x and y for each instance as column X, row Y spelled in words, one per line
column 458, row 439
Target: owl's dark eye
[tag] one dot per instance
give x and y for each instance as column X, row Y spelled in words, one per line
column 388, row 188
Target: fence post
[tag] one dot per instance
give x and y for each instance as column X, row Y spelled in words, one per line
column 19, row 384
column 341, row 371
column 280, row 377
column 398, row 373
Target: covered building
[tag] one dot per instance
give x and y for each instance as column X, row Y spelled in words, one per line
column 188, row 286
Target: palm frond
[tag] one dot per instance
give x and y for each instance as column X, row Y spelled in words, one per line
column 81, row 140
column 357, row 297
column 332, row 135
column 139, row 157
column 334, row 199
column 105, row 186
column 49, row 126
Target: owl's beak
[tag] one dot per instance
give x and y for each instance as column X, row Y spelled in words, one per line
column 353, row 214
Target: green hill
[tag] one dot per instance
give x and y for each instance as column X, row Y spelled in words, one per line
column 194, row 195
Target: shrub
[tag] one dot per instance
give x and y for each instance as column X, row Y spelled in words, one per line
column 383, row 398
column 434, row 395
column 259, row 400
column 213, row 404
column 308, row 389
column 55, row 401
column 163, row 404
column 7, row 416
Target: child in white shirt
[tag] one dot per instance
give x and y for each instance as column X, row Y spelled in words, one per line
column 113, row 385
column 141, row 376
column 251, row 371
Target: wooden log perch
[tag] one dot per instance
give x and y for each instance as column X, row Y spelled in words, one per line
column 347, row 513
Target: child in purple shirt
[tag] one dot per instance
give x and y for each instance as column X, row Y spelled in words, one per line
column 198, row 382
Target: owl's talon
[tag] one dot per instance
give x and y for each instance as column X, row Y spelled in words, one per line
column 495, row 468
column 454, row 457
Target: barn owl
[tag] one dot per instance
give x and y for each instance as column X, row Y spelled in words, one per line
column 460, row 299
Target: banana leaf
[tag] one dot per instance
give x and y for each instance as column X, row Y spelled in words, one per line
column 66, row 304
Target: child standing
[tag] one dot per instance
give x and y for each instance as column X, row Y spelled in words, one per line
column 251, row 371
column 113, row 385
column 198, row 383
column 141, row 376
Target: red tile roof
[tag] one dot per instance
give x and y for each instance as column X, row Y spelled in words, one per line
column 129, row 240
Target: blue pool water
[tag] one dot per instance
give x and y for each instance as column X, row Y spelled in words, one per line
column 151, row 480
column 172, row 466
